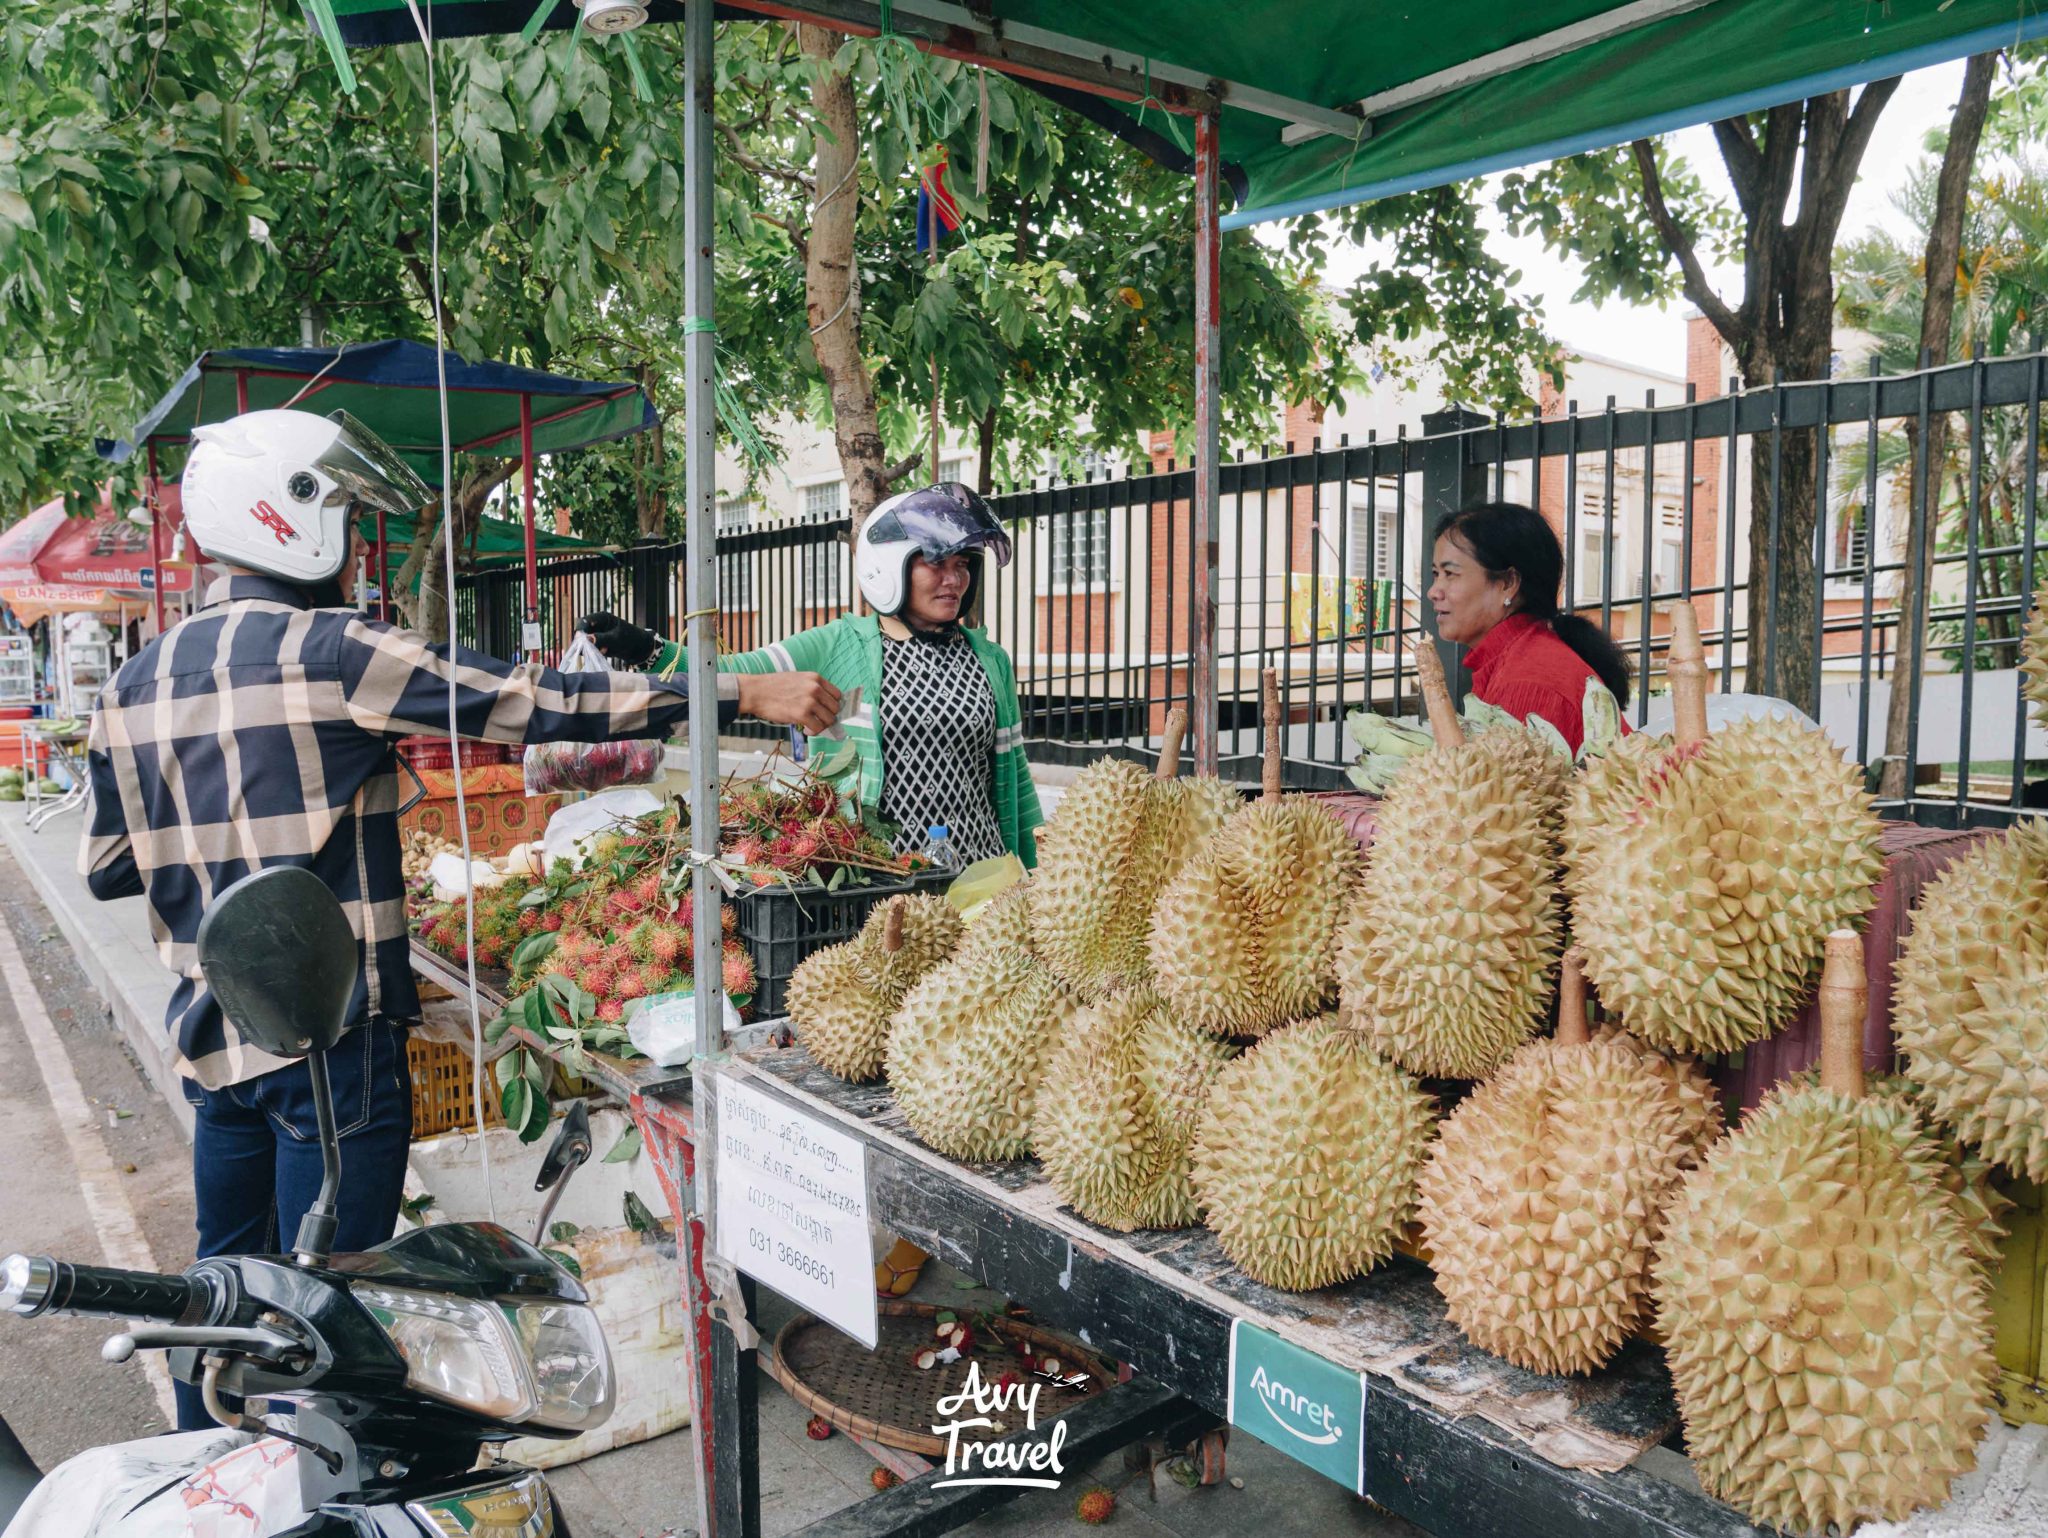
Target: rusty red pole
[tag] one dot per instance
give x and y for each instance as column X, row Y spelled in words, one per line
column 532, row 560
column 1202, row 667
column 156, row 546
column 241, row 391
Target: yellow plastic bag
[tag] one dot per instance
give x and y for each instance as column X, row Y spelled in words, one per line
column 982, row 882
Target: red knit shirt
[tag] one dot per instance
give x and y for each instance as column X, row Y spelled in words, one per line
column 1521, row 666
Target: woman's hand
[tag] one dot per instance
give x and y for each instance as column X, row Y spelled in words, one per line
column 802, row 700
column 620, row 640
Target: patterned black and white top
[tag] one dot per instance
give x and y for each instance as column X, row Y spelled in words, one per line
column 938, row 729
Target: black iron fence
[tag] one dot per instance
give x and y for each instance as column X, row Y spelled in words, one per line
column 1323, row 560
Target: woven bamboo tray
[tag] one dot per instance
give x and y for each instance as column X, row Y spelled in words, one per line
column 882, row 1396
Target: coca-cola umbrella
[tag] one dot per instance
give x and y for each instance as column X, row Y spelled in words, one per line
column 51, row 563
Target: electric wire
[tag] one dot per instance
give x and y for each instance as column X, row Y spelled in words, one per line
column 476, row 1029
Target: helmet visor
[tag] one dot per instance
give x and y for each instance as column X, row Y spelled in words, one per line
column 367, row 470
column 943, row 520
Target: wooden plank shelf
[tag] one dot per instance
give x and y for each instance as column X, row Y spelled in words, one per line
column 1455, row 1437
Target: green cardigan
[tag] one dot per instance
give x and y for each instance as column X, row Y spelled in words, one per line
column 847, row 653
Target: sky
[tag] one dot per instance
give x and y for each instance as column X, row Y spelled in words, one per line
column 1655, row 338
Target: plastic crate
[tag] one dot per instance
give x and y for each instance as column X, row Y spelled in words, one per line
column 436, row 753
column 781, row 927
column 442, row 1089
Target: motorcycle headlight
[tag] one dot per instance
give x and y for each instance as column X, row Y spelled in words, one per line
column 539, row 1363
column 565, row 1352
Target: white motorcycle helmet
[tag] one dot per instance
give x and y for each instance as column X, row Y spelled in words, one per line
column 935, row 522
column 276, row 491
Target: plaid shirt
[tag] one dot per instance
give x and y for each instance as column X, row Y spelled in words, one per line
column 260, row 732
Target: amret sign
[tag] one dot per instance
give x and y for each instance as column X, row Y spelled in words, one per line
column 1302, row 1404
column 1302, row 1415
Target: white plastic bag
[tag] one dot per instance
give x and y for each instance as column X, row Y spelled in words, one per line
column 665, row 1028
column 574, row 828
column 552, row 766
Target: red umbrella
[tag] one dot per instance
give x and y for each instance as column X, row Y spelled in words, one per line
column 51, row 562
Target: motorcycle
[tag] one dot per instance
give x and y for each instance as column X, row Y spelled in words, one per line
column 387, row 1374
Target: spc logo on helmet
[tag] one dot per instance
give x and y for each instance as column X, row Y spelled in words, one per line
column 935, row 522
column 277, row 491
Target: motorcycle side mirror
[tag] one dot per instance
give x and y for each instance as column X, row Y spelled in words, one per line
column 277, row 953
column 566, row 1155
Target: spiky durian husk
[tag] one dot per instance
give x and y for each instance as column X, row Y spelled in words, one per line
column 1116, row 1111
column 1123, row 834
column 2034, row 658
column 840, row 1008
column 1244, row 938
column 967, row 1047
column 931, row 930
column 840, row 998
column 1962, row 1173
column 1971, row 1003
column 1448, row 947
column 1703, row 900
column 1544, row 1192
column 1823, row 1318
column 1306, row 1156
column 1004, row 924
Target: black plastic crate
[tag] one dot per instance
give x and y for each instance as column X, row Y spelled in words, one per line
column 781, row 926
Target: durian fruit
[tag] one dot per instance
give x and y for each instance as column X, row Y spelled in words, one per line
column 1447, row 948
column 967, row 1045
column 2034, row 658
column 840, row 998
column 1544, row 1190
column 1244, row 938
column 1964, row 1175
column 1971, row 1003
column 1122, row 836
column 1826, row 1328
column 1117, row 1109
column 1704, row 879
column 1307, row 1154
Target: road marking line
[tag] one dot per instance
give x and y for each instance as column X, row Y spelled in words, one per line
column 106, row 1198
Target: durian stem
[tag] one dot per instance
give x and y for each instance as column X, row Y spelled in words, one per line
column 1844, row 1001
column 1269, row 688
column 1572, row 1030
column 1169, row 742
column 1687, row 669
column 1444, row 724
column 892, row 928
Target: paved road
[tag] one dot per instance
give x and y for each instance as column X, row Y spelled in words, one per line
column 54, row 1390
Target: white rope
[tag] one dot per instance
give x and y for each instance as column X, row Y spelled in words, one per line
column 476, row 1029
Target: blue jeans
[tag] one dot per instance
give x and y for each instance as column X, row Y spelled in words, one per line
column 256, row 1157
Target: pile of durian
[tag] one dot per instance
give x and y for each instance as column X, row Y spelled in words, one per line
column 1201, row 1009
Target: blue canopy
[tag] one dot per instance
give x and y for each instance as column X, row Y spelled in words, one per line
column 390, row 388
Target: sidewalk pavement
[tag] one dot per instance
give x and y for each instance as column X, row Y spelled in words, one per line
column 111, row 941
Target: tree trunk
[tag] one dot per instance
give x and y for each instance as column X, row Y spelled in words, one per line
column 653, row 488
column 985, row 470
column 1937, row 321
column 832, row 284
column 427, row 610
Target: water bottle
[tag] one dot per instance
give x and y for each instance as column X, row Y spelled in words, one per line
column 939, row 852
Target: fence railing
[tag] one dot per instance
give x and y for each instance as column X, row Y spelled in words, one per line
column 1323, row 560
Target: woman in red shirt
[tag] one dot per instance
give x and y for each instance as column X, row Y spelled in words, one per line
column 1494, row 584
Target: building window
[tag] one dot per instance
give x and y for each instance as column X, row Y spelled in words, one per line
column 1375, row 518
column 736, row 579
column 821, row 568
column 736, row 514
column 1080, row 548
column 955, row 469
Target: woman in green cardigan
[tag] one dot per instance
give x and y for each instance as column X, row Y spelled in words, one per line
column 929, row 731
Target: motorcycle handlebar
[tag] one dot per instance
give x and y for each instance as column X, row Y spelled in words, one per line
column 39, row 1284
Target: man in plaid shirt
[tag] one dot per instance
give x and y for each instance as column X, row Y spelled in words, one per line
column 260, row 732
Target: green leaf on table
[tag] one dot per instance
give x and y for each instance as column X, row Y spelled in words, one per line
column 627, row 1147
column 515, row 1102
column 535, row 949
column 539, row 897
column 562, row 1233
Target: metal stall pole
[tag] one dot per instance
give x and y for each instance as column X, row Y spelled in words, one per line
column 156, row 544
column 725, row 1429
column 1207, row 490
column 529, row 633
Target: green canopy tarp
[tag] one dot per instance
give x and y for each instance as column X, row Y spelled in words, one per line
column 1433, row 93
column 499, row 541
